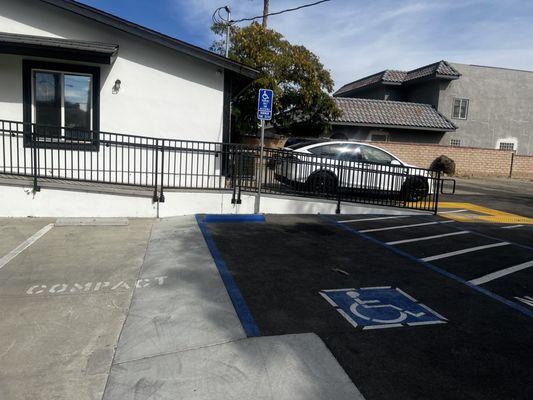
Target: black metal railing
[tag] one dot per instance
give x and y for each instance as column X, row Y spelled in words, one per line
column 158, row 164
column 301, row 174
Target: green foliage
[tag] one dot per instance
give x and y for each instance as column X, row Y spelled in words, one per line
column 302, row 105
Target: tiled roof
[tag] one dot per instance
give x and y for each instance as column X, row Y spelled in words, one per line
column 441, row 69
column 386, row 113
column 392, row 75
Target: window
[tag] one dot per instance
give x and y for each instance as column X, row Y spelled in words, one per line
column 61, row 95
column 460, row 108
column 455, row 142
column 373, row 155
column 345, row 152
column 509, row 146
column 379, row 137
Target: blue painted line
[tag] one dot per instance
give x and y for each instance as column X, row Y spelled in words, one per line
column 434, row 268
column 243, row 312
column 234, row 218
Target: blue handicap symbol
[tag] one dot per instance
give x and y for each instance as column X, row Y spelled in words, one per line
column 380, row 307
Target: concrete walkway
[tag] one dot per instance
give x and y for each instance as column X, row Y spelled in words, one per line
column 183, row 340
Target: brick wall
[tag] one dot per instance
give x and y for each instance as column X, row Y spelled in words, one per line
column 469, row 161
column 523, row 167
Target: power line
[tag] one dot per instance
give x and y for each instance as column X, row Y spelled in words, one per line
column 218, row 18
column 279, row 12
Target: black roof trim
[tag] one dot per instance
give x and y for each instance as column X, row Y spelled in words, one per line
column 64, row 49
column 153, row 36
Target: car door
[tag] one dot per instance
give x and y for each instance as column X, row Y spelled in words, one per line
column 384, row 172
column 343, row 159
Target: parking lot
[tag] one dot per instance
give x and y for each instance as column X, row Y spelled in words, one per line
column 368, row 306
column 456, row 297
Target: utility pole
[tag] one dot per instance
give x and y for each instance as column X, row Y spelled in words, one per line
column 228, row 26
column 266, row 6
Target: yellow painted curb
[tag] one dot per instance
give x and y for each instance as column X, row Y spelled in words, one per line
column 487, row 214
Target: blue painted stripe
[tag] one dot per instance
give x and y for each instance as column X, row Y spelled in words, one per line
column 243, row 312
column 234, row 218
column 432, row 267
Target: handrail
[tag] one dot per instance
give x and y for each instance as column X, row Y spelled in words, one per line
column 163, row 163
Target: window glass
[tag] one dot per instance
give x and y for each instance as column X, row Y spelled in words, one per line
column 63, row 100
column 455, row 142
column 48, row 101
column 371, row 154
column 507, row 146
column 77, row 96
column 460, row 108
column 346, row 152
column 379, row 137
column 78, row 101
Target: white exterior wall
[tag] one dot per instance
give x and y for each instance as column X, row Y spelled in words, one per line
column 17, row 201
column 163, row 93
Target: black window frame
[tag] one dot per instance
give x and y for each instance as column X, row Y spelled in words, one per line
column 28, row 66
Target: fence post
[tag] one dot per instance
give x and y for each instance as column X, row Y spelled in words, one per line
column 437, row 192
column 161, row 194
column 231, row 154
column 155, row 197
column 257, row 206
column 241, row 173
column 33, row 145
column 339, row 194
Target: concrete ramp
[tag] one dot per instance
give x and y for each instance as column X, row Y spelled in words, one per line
column 183, row 340
column 288, row 367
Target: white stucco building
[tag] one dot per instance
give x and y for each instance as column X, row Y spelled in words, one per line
column 101, row 117
column 126, row 78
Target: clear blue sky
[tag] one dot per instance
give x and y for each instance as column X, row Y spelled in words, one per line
column 355, row 38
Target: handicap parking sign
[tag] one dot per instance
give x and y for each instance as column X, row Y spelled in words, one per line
column 380, row 307
column 265, row 99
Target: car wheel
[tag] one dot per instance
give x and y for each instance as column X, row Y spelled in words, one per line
column 322, row 183
column 414, row 188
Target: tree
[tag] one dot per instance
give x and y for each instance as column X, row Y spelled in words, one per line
column 301, row 84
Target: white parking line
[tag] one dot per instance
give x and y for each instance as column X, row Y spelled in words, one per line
column 451, row 212
column 405, row 226
column 512, row 226
column 464, row 251
column 373, row 219
column 500, row 273
column 24, row 245
column 419, row 239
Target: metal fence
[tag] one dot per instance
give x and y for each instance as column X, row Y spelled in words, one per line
column 45, row 152
column 308, row 175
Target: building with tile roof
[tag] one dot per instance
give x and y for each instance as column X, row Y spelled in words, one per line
column 442, row 103
column 391, row 114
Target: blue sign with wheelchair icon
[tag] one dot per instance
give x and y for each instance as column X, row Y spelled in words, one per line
column 380, row 307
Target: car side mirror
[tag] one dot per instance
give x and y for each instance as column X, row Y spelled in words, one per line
column 395, row 162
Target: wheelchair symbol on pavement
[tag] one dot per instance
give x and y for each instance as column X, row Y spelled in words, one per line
column 380, row 307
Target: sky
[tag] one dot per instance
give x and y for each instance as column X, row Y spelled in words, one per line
column 356, row 38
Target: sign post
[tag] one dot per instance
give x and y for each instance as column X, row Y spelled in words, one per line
column 264, row 113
